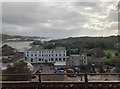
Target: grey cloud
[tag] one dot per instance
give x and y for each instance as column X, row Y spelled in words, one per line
column 19, row 14
column 52, row 19
column 113, row 26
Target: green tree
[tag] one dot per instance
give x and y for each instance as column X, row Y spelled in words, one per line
column 90, row 52
column 99, row 52
column 108, row 55
column 18, row 68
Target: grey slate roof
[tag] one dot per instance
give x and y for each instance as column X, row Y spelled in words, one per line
column 40, row 48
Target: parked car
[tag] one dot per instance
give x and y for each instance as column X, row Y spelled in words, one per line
column 71, row 73
column 59, row 72
column 77, row 70
column 59, row 68
column 51, row 67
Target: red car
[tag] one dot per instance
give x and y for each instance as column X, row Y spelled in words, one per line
column 71, row 73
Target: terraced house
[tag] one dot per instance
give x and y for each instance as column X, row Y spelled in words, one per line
column 41, row 55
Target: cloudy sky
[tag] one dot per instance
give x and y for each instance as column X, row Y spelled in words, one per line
column 60, row 19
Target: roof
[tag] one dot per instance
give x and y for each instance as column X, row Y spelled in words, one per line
column 7, row 50
column 76, row 55
column 35, row 49
column 59, row 63
column 38, row 48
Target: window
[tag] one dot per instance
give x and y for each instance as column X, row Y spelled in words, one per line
column 31, row 59
column 35, row 54
column 31, row 54
column 59, row 59
column 42, row 59
column 49, row 54
column 84, row 57
column 56, row 59
column 56, row 54
column 39, row 59
column 64, row 54
column 27, row 55
column 51, row 59
column 39, row 51
column 59, row 54
column 63, row 59
column 42, row 55
column 27, row 51
column 52, row 54
column 39, row 54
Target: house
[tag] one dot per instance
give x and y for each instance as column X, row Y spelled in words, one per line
column 7, row 53
column 7, row 50
column 76, row 60
column 38, row 54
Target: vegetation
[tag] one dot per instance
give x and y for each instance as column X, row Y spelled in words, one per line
column 113, row 61
column 88, row 42
column 111, row 52
column 17, row 68
column 101, row 47
column 98, row 52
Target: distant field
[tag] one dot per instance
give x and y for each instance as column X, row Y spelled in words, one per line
column 112, row 52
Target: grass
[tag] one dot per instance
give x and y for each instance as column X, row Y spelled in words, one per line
column 112, row 52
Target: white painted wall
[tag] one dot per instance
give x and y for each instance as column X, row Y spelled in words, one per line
column 45, row 55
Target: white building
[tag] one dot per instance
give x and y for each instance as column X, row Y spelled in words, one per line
column 40, row 55
column 76, row 60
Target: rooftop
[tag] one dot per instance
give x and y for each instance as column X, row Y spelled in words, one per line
column 60, row 63
column 41, row 48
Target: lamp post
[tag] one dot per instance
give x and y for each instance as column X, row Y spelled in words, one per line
column 39, row 75
column 93, row 67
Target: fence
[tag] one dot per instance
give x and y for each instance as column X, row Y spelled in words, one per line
column 40, row 83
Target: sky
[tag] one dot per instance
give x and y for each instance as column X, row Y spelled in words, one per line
column 60, row 19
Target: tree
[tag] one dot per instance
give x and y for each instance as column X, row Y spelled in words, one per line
column 18, row 68
column 108, row 55
column 90, row 52
column 99, row 52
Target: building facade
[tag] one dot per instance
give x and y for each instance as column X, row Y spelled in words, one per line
column 77, row 60
column 41, row 55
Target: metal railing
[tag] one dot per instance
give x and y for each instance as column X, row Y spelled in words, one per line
column 85, row 83
column 85, row 76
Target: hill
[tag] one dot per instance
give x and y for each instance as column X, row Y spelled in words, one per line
column 5, row 37
column 19, row 38
column 88, row 42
